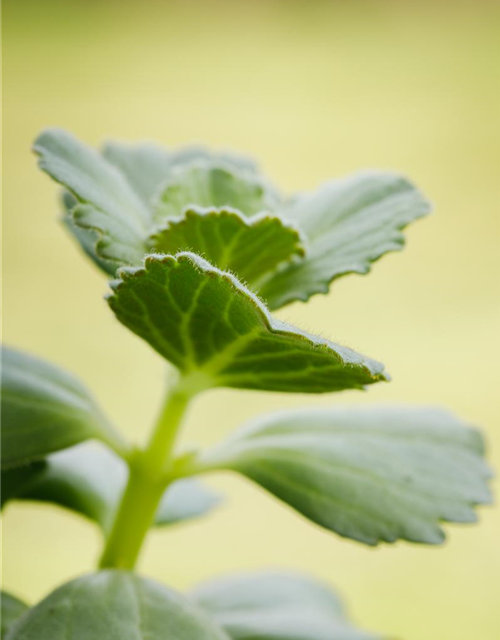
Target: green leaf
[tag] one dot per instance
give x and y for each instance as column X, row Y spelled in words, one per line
column 45, row 409
column 115, row 605
column 276, row 606
column 90, row 480
column 372, row 474
column 217, row 333
column 206, row 184
column 248, row 247
column 107, row 205
column 146, row 166
column 12, row 610
column 348, row 224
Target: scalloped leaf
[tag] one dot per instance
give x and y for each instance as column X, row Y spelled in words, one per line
column 115, row 605
column 12, row 610
column 206, row 184
column 371, row 474
column 146, row 166
column 248, row 247
column 45, row 409
column 348, row 224
column 90, row 479
column 276, row 606
column 217, row 333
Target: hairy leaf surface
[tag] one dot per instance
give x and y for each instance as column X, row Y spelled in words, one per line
column 107, row 204
column 12, row 610
column 207, row 184
column 147, row 166
column 348, row 223
column 217, row 333
column 115, row 605
column 90, row 480
column 248, row 247
column 276, row 606
column 374, row 475
column 45, row 409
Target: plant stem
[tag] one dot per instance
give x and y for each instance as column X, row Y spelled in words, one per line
column 147, row 481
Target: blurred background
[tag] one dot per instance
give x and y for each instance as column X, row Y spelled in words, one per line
column 314, row 89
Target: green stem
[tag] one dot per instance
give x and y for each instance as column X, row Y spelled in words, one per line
column 147, row 481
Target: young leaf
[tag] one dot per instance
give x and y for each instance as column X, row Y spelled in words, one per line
column 207, row 184
column 12, row 610
column 115, row 605
column 276, row 606
column 218, row 333
column 248, row 247
column 348, row 224
column 106, row 205
column 45, row 409
column 147, row 166
column 90, row 480
column 374, row 475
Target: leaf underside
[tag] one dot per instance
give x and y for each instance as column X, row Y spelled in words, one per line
column 216, row 331
column 44, row 409
column 276, row 606
column 348, row 224
column 373, row 475
column 89, row 479
column 115, row 605
column 250, row 248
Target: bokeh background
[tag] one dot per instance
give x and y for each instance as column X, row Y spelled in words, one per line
column 314, row 90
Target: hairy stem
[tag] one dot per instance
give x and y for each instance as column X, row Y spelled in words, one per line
column 146, row 483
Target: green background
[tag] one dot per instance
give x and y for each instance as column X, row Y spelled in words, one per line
column 314, row 90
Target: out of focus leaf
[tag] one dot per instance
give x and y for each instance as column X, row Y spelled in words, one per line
column 115, row 605
column 372, row 474
column 276, row 606
column 45, row 409
column 12, row 609
column 90, row 480
column 348, row 223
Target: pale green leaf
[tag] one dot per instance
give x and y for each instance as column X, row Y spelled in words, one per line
column 115, row 605
column 250, row 248
column 348, row 223
column 12, row 610
column 90, row 480
column 107, row 204
column 372, row 474
column 217, row 333
column 206, row 184
column 147, row 166
column 45, row 409
column 276, row 606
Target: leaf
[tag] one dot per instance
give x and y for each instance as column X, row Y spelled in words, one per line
column 115, row 605
column 248, row 247
column 217, row 333
column 106, row 205
column 90, row 480
column 206, row 184
column 45, row 409
column 146, row 166
column 12, row 609
column 348, row 224
column 276, row 606
column 374, row 475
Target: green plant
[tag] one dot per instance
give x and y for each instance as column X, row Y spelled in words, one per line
column 179, row 233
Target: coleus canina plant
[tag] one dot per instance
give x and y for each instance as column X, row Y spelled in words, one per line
column 199, row 248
